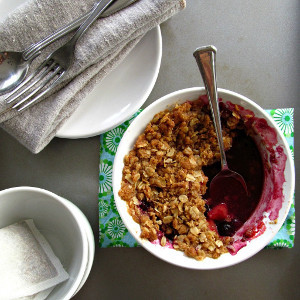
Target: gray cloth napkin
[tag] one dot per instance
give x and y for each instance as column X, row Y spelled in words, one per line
column 100, row 50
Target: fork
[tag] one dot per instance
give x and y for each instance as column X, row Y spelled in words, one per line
column 53, row 69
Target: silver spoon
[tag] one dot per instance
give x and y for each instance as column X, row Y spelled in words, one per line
column 227, row 184
column 14, row 65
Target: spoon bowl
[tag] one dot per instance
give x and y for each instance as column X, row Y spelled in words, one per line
column 13, row 69
column 228, row 185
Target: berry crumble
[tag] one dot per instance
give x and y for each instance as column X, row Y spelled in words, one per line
column 166, row 177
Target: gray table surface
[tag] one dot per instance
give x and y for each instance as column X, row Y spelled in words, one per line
column 258, row 56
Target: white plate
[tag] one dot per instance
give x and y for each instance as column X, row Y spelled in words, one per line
column 90, row 239
column 120, row 94
column 8, row 6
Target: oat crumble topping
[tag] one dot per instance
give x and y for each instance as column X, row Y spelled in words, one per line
column 163, row 182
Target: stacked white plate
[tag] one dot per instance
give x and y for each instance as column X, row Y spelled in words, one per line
column 62, row 224
column 90, row 241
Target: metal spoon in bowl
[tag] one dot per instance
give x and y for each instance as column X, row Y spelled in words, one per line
column 227, row 186
column 14, row 65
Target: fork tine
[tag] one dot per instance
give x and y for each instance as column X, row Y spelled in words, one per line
column 44, row 92
column 38, row 88
column 13, row 94
column 37, row 78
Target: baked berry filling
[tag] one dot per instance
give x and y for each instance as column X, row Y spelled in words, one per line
column 230, row 213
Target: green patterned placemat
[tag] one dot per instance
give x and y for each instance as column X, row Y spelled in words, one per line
column 112, row 231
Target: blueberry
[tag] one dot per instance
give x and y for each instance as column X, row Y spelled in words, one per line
column 225, row 229
column 145, row 205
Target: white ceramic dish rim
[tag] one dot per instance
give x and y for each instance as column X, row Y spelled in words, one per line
column 176, row 257
column 90, row 239
column 82, row 231
column 66, row 130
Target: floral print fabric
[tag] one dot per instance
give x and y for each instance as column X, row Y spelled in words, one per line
column 112, row 231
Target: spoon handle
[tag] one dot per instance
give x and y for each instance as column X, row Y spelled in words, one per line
column 206, row 60
column 33, row 50
column 98, row 9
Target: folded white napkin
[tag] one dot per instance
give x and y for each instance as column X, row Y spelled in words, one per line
column 29, row 268
column 100, row 50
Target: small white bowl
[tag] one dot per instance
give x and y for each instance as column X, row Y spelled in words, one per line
column 58, row 223
column 177, row 257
